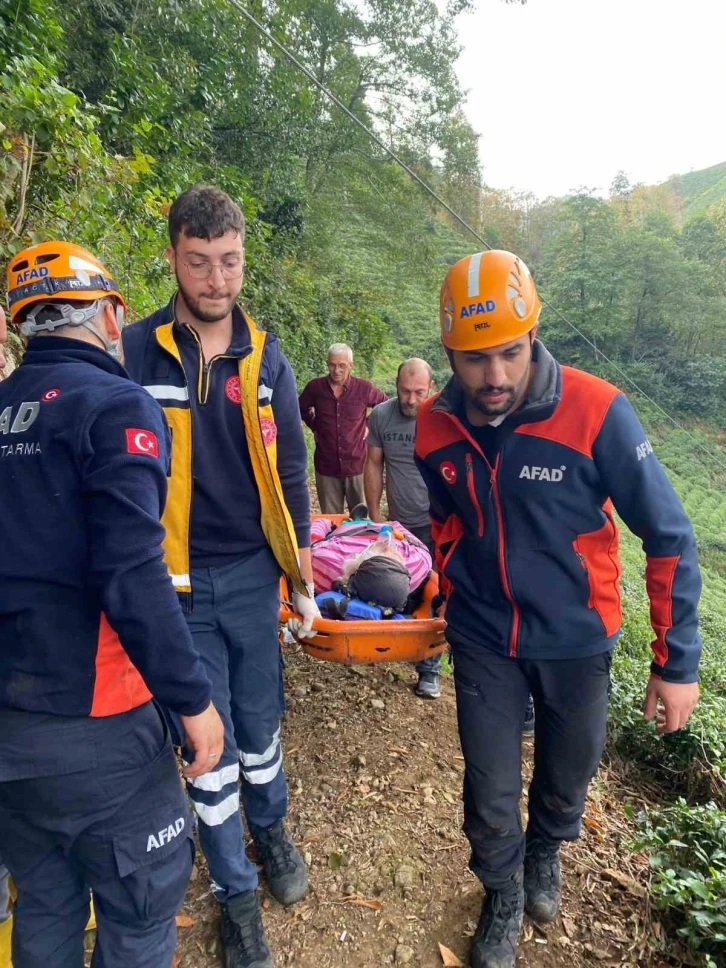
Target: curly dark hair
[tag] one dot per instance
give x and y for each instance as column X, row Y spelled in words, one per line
column 204, row 212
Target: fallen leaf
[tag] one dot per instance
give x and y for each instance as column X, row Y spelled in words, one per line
column 448, row 958
column 363, row 902
column 177, row 961
column 594, row 826
column 569, row 926
column 184, row 921
column 625, row 881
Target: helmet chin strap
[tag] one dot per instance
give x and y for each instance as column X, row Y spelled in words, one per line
column 74, row 316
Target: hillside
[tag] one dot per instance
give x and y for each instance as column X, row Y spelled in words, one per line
column 699, row 189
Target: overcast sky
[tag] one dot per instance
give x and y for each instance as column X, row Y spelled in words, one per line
column 565, row 93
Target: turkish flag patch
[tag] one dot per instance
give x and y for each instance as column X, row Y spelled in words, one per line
column 448, row 472
column 142, row 442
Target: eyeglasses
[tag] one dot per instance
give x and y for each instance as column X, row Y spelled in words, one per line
column 230, row 268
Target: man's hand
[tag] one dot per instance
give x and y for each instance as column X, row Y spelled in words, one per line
column 3, row 337
column 308, row 611
column 670, row 702
column 205, row 735
column 438, row 606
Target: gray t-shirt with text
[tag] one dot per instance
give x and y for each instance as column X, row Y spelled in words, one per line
column 408, row 499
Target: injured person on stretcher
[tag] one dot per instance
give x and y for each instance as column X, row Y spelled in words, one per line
column 366, row 570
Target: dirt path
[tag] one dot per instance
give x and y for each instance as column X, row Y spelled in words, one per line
column 375, row 779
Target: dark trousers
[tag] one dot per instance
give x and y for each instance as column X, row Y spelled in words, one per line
column 234, row 624
column 93, row 804
column 570, row 700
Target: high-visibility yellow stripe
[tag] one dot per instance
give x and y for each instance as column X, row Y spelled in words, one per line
column 177, row 513
column 276, row 521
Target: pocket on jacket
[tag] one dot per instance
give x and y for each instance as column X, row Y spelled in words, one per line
column 449, row 537
column 597, row 552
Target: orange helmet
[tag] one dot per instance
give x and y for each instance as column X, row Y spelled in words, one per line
column 487, row 299
column 54, row 271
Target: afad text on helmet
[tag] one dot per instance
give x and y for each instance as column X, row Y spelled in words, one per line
column 38, row 273
column 477, row 308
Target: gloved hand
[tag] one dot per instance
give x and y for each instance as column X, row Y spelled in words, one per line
column 307, row 610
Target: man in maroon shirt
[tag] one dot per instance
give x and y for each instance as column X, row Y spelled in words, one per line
column 335, row 408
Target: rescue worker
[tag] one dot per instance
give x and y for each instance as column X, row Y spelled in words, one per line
column 525, row 461
column 90, row 630
column 335, row 407
column 389, row 445
column 238, row 514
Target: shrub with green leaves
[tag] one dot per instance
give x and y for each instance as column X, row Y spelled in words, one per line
column 687, row 847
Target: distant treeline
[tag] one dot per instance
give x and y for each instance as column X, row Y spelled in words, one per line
column 111, row 107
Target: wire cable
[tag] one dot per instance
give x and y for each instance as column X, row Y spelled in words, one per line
column 462, row 221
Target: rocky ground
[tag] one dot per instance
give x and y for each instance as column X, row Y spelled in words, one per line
column 375, row 779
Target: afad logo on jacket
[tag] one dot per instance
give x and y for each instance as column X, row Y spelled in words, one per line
column 535, row 473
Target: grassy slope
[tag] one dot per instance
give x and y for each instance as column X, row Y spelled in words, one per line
column 702, row 188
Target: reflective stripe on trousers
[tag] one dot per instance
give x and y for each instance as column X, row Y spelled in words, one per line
column 234, row 624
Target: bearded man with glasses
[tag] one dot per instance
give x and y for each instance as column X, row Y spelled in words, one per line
column 238, row 516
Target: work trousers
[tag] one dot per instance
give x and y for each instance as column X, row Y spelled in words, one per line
column 570, row 701
column 93, row 804
column 431, row 666
column 234, row 624
column 335, row 492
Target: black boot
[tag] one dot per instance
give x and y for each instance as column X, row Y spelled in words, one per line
column 542, row 878
column 243, row 936
column 287, row 875
column 495, row 939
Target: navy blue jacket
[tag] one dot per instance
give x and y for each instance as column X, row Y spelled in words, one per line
column 527, row 543
column 226, row 517
column 89, row 621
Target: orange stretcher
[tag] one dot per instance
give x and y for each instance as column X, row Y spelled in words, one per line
column 364, row 642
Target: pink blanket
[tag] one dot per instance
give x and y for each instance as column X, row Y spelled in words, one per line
column 330, row 555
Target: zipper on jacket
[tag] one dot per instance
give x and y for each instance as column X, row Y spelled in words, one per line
column 471, row 487
column 494, row 491
column 583, row 562
column 205, row 369
column 514, row 631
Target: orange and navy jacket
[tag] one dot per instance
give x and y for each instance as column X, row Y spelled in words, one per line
column 527, row 545
column 89, row 621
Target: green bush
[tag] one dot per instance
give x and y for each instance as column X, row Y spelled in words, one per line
column 687, row 847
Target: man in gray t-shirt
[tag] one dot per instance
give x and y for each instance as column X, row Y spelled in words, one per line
column 390, row 442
